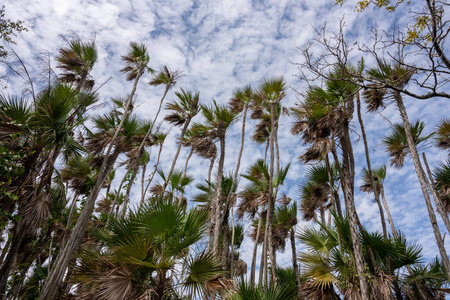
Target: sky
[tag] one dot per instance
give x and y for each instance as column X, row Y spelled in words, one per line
column 222, row 45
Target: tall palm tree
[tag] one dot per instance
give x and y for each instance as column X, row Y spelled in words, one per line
column 238, row 103
column 399, row 76
column 169, row 79
column 136, row 64
column 77, row 60
column 396, row 144
column 182, row 113
column 323, row 117
column 217, row 120
column 270, row 92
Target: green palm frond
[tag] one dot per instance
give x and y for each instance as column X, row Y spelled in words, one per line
column 396, row 143
column 442, row 137
column 136, row 60
column 200, row 269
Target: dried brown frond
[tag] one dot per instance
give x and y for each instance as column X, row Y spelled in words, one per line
column 374, row 97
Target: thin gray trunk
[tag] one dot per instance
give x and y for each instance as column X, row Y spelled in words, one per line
column 255, row 249
column 152, row 175
column 116, row 198
column 69, row 218
column 422, row 179
column 295, row 263
column 183, row 132
column 233, row 183
column 369, row 166
column 268, row 238
column 184, row 173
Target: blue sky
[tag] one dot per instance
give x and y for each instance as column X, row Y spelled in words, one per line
column 222, row 45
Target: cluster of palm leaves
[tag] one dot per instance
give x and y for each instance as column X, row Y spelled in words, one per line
column 71, row 229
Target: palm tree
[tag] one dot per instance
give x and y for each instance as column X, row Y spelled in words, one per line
column 323, row 116
column 167, row 78
column 397, row 146
column 217, row 120
column 315, row 192
column 270, row 93
column 182, row 114
column 238, row 103
column 286, row 221
column 136, row 64
column 398, row 76
column 77, row 60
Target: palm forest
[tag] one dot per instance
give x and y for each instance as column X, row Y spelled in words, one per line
column 87, row 211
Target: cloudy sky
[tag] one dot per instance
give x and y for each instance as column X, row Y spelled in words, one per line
column 222, row 45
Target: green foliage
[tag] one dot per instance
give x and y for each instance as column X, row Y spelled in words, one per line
column 8, row 29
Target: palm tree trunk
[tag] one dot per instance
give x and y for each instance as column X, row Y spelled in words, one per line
column 69, row 218
column 144, row 169
column 217, row 205
column 183, row 132
column 388, row 212
column 295, row 263
column 422, row 179
column 116, row 198
column 128, row 191
column 236, row 171
column 185, row 172
column 268, row 238
column 54, row 281
column 255, row 249
column 369, row 166
column 135, row 167
column 152, row 175
column 211, row 165
column 348, row 178
column 437, row 198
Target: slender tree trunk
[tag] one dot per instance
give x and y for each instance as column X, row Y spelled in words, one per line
column 422, row 179
column 135, row 167
column 232, row 243
column 69, row 218
column 348, row 178
column 217, row 205
column 144, row 169
column 185, row 173
column 54, row 281
column 211, row 166
column 183, row 132
column 437, row 198
column 236, row 171
column 116, row 198
column 270, row 202
column 295, row 263
column 388, row 212
column 255, row 249
column 369, row 167
column 152, row 175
